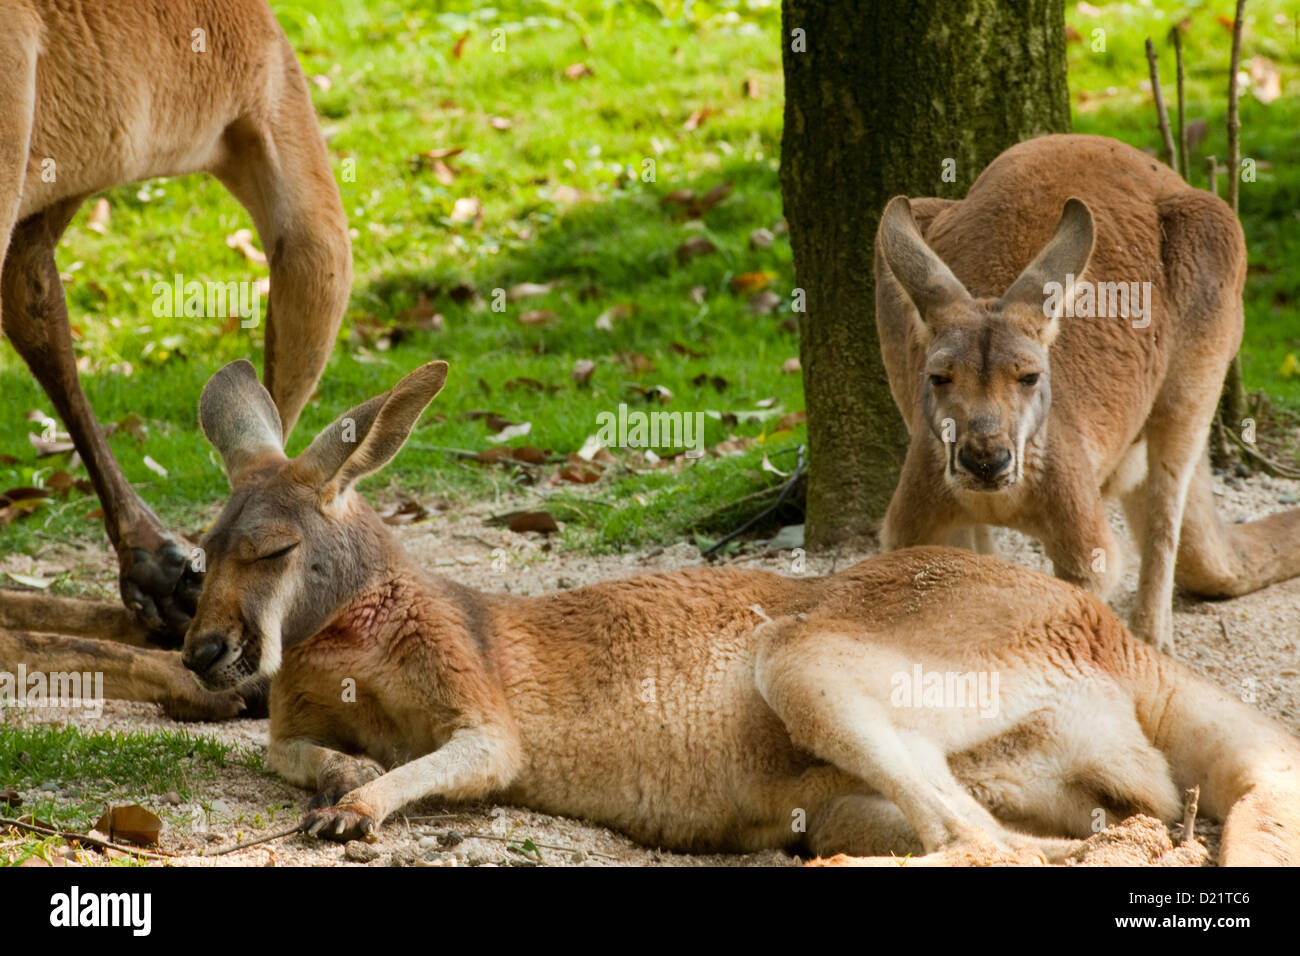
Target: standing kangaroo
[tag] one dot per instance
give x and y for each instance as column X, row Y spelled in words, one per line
column 1000, row 435
column 98, row 93
column 705, row 709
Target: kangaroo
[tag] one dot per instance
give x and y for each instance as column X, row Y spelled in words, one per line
column 222, row 93
column 1025, row 411
column 703, row 709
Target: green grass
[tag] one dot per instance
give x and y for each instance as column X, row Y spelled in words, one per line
column 394, row 89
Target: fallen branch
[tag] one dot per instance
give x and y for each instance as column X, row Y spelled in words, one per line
column 770, row 509
column 1192, row 800
column 82, row 838
column 1162, row 115
column 1184, row 160
column 244, row 846
column 1274, row 468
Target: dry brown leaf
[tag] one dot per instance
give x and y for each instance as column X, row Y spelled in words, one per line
column 765, row 303
column 693, row 248
column 536, row 317
column 459, row 47
column 791, row 366
column 749, row 89
column 787, row 422
column 539, row 521
column 622, row 310
column 130, row 824
column 697, row 118
column 686, row 350
column 582, row 371
column 750, row 283
column 638, row 363
column 576, row 71
column 500, row 123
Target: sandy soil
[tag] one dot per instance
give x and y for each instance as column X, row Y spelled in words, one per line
column 1248, row 646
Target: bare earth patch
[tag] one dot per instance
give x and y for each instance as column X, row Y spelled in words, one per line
column 1247, row 646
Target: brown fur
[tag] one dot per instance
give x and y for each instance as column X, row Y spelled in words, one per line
column 705, row 708
column 72, row 92
column 1117, row 411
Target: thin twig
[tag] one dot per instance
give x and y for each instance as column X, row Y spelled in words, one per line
column 1184, row 160
column 1162, row 115
column 1223, row 626
column 1276, row 469
column 1234, row 123
column 266, row 839
column 1193, row 799
column 1212, row 170
column 770, row 509
column 82, row 838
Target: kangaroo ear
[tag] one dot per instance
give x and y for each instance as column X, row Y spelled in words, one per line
column 1048, row 281
column 240, row 420
column 367, row 437
column 928, row 282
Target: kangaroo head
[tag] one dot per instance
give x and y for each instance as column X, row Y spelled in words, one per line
column 986, row 386
column 295, row 543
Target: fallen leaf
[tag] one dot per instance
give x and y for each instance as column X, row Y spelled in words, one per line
column 765, row 303
column 466, row 209
column 1265, row 80
column 133, row 425
column 679, row 349
column 500, row 123
column 761, row 238
column 749, row 89
column 717, row 381
column 153, row 466
column 605, row 321
column 539, row 521
column 529, row 454
column 98, row 221
column 45, row 447
column 11, row 798
column 242, row 240
column 536, row 317
column 130, row 824
column 31, row 580
column 791, row 366
column 526, row 290
column 1224, row 21
column 459, row 46
column 697, row 118
column 1290, row 366
column 582, row 370
column 576, row 71
column 406, row 511
column 749, row 283
column 322, row 82
column 637, row 362
column 787, row 422
column 511, row 432
column 693, row 248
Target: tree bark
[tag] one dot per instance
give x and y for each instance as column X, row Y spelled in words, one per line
column 877, row 97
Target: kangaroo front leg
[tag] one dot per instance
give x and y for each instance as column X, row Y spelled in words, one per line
column 473, row 763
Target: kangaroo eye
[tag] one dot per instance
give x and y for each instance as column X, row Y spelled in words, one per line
column 1030, row 379
column 937, row 380
column 279, row 554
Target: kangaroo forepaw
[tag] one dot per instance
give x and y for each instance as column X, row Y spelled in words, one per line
column 161, row 588
column 341, row 823
column 341, row 776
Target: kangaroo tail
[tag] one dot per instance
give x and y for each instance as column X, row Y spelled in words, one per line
column 1247, row 766
column 1219, row 560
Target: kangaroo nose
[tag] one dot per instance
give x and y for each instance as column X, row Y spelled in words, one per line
column 203, row 652
column 985, row 466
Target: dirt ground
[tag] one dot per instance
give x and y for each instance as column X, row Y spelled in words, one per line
column 1248, row 646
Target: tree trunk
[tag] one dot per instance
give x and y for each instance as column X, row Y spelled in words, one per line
column 882, row 99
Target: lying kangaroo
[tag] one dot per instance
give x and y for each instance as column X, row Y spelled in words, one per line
column 1000, row 435
column 705, row 709
column 98, row 94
